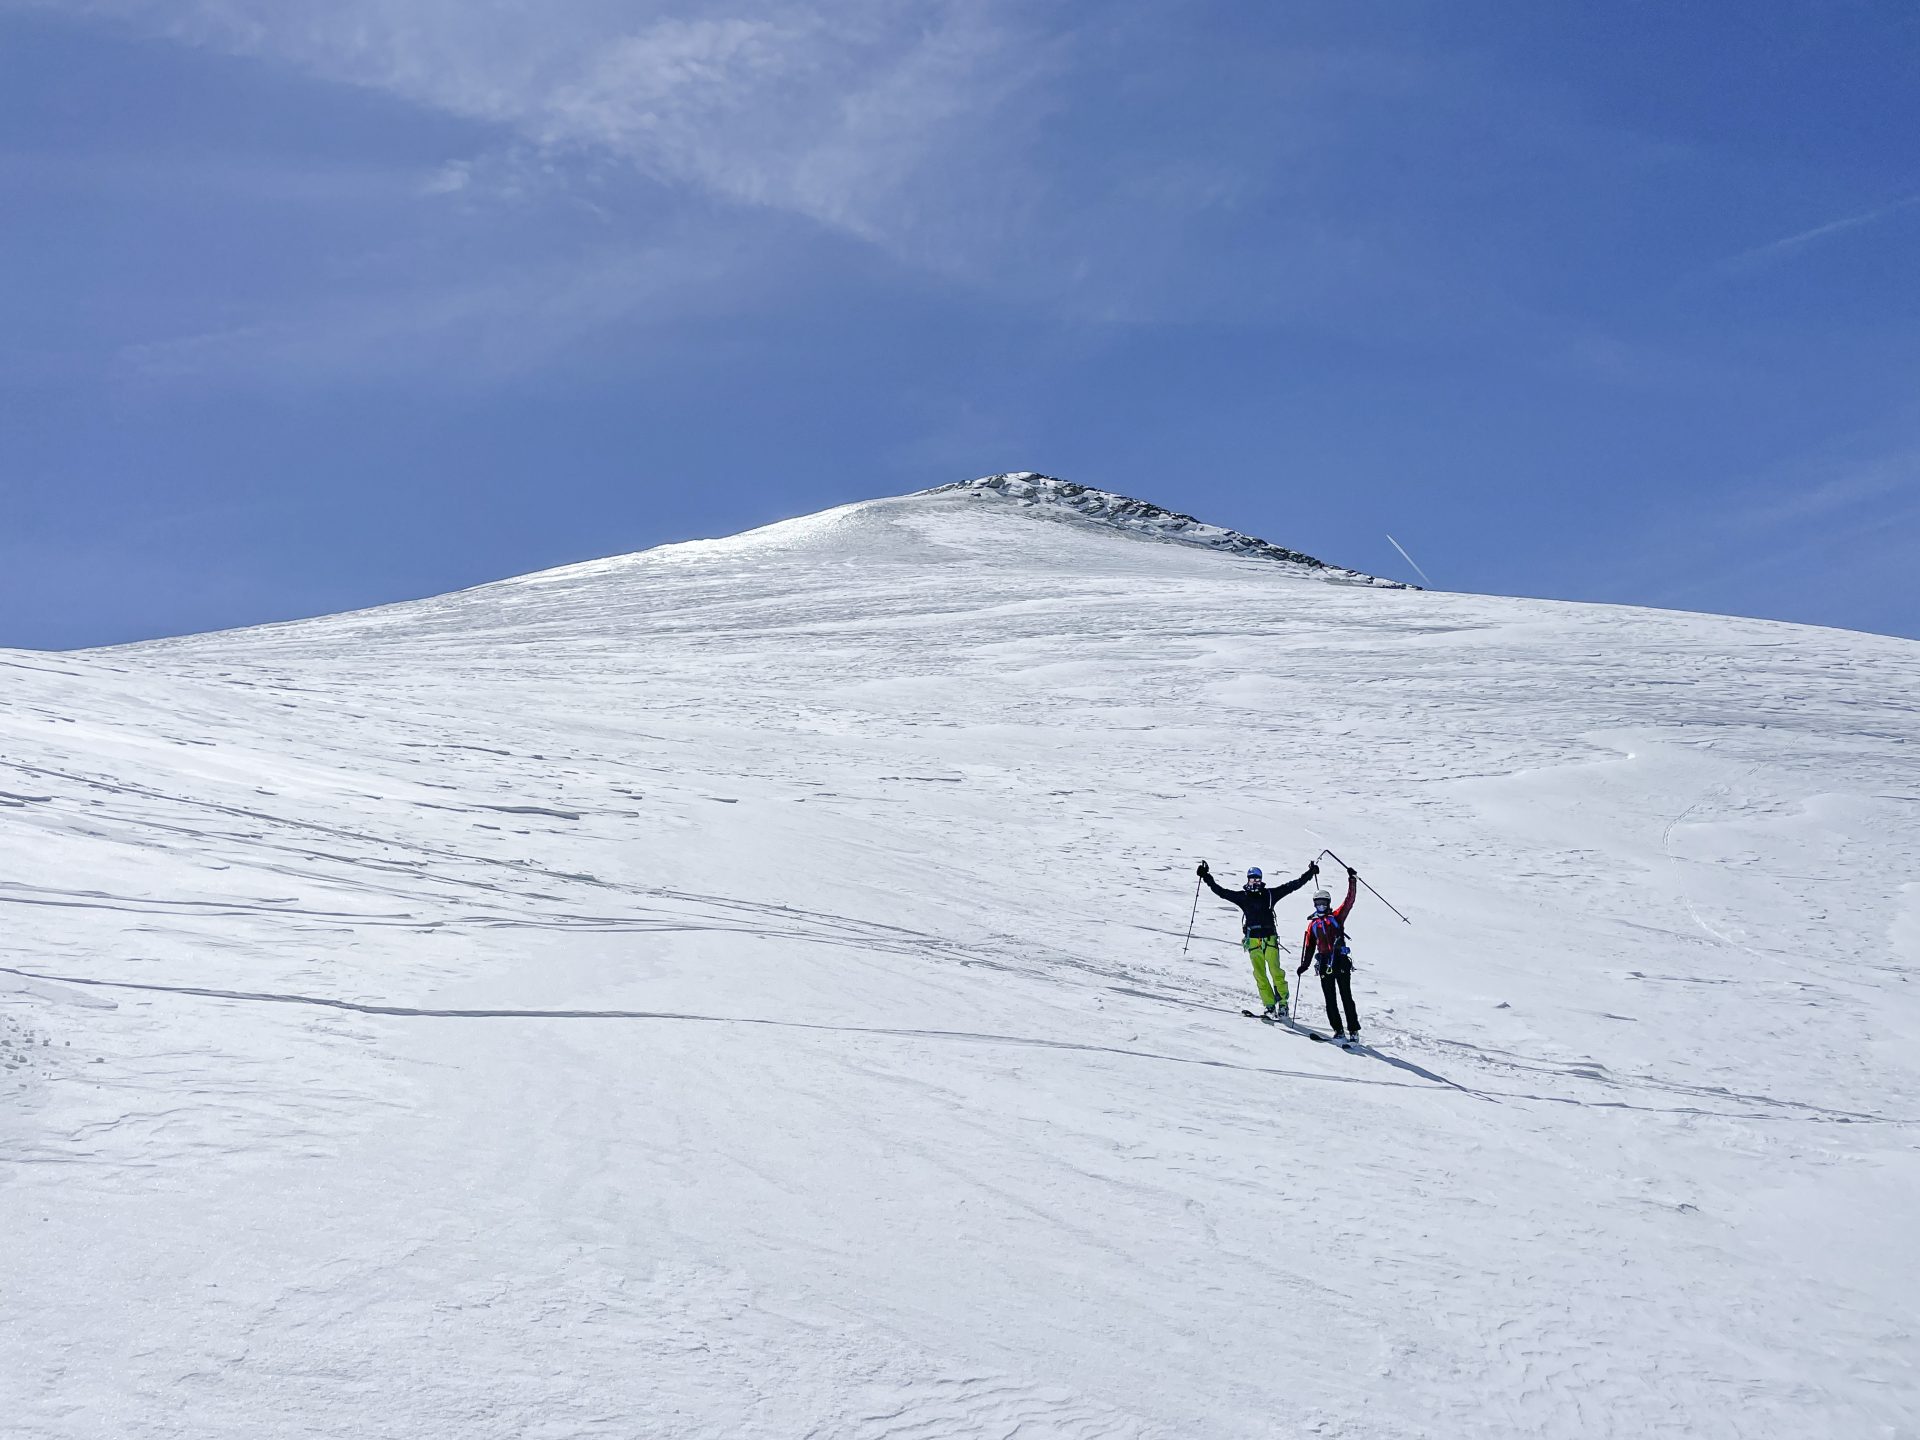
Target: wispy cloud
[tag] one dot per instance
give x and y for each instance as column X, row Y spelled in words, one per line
column 302, row 182
column 1832, row 488
column 1785, row 248
column 905, row 128
column 467, row 328
column 845, row 112
column 1854, row 502
column 1854, row 554
column 1049, row 154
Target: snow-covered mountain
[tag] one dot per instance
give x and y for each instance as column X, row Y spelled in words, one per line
column 741, row 990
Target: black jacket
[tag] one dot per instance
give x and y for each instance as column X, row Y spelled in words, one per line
column 1256, row 906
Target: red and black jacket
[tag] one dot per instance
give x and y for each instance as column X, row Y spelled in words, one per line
column 1326, row 934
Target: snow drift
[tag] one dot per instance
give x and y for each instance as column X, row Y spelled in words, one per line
column 738, row 990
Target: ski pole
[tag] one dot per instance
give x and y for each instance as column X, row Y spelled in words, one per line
column 1194, row 916
column 1375, row 893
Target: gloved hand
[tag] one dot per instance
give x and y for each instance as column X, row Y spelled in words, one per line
column 1313, row 869
column 1203, row 872
column 1303, row 967
column 1352, row 874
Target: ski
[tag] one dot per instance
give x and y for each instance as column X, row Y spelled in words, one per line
column 1289, row 1022
column 1306, row 1030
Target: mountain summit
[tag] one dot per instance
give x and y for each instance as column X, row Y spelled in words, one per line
column 1058, row 499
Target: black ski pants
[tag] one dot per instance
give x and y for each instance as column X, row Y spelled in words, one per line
column 1338, row 984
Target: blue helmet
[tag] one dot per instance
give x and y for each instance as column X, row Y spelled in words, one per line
column 1254, row 876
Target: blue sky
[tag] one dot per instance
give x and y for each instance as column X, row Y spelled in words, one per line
column 317, row 305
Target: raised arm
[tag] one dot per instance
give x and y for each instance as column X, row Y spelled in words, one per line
column 1213, row 885
column 1305, row 875
column 1353, row 885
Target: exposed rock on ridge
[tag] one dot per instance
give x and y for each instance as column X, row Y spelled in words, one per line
column 1063, row 498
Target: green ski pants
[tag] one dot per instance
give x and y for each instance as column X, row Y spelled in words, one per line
column 1264, row 951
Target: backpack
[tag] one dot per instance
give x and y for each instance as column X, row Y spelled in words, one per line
column 1329, row 936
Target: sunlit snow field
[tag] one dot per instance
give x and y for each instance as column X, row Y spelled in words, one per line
column 737, row 991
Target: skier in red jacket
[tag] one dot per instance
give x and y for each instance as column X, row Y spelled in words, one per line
column 1325, row 946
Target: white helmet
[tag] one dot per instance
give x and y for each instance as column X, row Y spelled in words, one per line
column 1323, row 897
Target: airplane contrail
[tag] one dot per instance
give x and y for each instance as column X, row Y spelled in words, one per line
column 1410, row 560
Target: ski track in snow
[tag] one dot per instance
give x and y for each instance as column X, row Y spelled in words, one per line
column 737, row 991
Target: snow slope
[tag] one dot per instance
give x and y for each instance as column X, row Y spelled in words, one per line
column 738, row 990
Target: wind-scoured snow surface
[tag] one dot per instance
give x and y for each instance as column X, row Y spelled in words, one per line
column 737, row 991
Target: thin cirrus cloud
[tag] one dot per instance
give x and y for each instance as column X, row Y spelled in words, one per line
column 633, row 149
column 1030, row 147
column 837, row 113
column 1835, row 485
column 1033, row 151
column 482, row 328
column 1774, row 252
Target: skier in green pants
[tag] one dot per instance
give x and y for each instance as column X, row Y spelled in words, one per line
column 1260, row 933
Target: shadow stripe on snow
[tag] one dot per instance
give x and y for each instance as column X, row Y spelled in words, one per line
column 978, row 1036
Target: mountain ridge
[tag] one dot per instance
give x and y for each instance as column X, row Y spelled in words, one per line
column 1054, row 498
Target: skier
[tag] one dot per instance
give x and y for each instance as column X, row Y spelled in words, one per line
column 1260, row 932
column 1325, row 946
